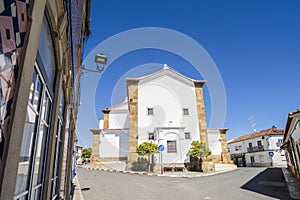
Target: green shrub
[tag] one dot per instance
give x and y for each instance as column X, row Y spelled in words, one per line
column 199, row 150
column 147, row 147
column 86, row 152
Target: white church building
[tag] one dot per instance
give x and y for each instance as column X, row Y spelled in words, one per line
column 165, row 108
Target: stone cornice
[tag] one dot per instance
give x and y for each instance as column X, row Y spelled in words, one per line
column 95, row 130
column 199, row 83
column 132, row 81
column 220, row 129
column 106, row 111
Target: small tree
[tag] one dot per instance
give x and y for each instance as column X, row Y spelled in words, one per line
column 147, row 147
column 86, row 152
column 199, row 150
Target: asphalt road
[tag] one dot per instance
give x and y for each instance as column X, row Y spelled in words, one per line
column 241, row 184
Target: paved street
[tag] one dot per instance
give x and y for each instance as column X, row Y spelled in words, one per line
column 244, row 183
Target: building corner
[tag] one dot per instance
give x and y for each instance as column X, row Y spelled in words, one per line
column 132, row 90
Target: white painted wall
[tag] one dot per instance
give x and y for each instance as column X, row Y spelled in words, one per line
column 264, row 159
column 295, row 134
column 269, row 142
column 273, row 142
column 109, row 145
column 296, row 131
column 237, row 147
column 168, row 94
column 119, row 119
column 261, row 158
column 114, row 143
column 214, row 142
column 254, row 142
column 182, row 146
column 279, row 159
column 101, row 123
column 119, row 116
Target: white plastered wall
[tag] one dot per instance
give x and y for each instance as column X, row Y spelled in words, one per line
column 214, row 141
column 168, row 94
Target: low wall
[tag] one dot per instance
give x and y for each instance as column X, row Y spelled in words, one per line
column 225, row 167
column 209, row 166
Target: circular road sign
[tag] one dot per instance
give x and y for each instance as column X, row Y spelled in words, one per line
column 161, row 148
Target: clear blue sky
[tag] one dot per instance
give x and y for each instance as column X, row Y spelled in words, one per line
column 255, row 45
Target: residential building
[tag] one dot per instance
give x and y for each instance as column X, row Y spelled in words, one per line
column 165, row 108
column 40, row 59
column 78, row 154
column 258, row 149
column 292, row 142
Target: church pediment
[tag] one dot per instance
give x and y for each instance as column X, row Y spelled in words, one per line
column 166, row 72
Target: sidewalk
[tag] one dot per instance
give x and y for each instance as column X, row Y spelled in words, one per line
column 77, row 191
column 292, row 182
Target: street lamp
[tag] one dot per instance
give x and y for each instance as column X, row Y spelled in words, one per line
column 100, row 58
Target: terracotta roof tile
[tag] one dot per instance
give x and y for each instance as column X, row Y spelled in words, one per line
column 271, row 131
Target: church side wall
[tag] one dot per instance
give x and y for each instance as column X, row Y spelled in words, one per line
column 114, row 145
column 119, row 120
column 214, row 142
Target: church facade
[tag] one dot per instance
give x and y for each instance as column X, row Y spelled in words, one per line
column 165, row 108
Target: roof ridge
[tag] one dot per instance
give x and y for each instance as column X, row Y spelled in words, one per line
column 274, row 130
column 164, row 70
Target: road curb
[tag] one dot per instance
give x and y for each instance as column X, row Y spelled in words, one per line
column 124, row 172
column 158, row 174
column 77, row 191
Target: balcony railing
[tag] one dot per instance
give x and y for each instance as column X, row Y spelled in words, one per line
column 255, row 149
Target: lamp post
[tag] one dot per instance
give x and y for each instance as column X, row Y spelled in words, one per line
column 100, row 58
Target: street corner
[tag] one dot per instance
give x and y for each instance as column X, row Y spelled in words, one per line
column 188, row 174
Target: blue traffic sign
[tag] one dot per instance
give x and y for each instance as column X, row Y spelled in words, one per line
column 161, row 148
column 271, row 153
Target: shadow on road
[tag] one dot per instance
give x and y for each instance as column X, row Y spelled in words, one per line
column 85, row 189
column 269, row 182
